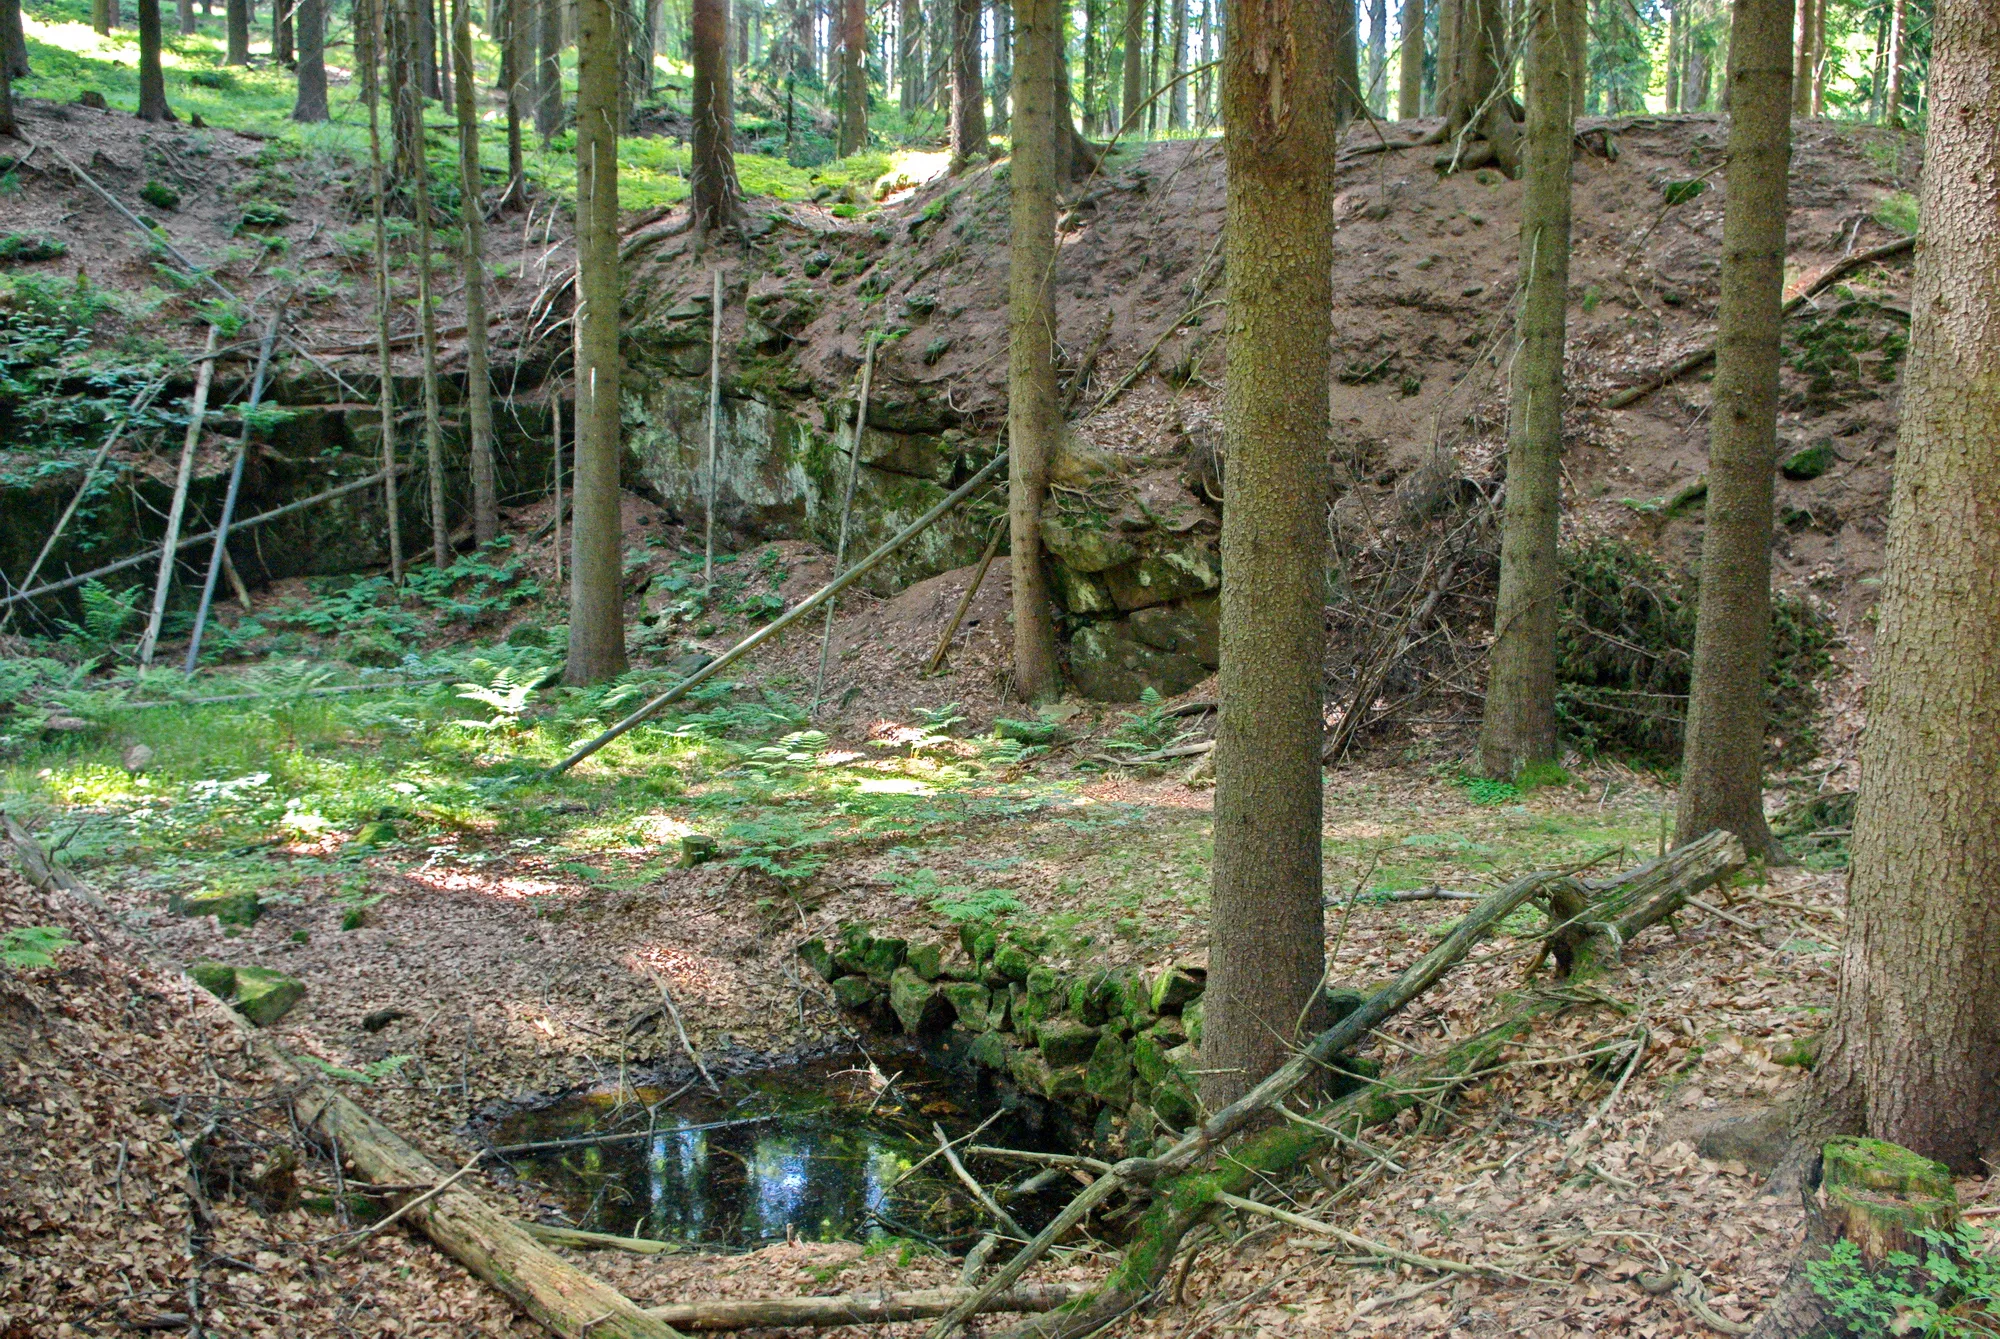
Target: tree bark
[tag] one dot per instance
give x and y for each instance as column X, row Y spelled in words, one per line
column 856, row 1309
column 152, row 83
column 1378, row 57
column 420, row 203
column 1177, row 106
column 1134, row 91
column 1346, row 62
column 910, row 56
column 1899, row 32
column 1914, row 1052
column 548, row 69
column 1802, row 57
column 281, row 33
column 428, row 65
column 1723, row 759
column 1003, row 63
column 715, row 196
column 101, row 21
column 371, row 45
column 1267, row 945
column 1033, row 417
column 1519, row 728
column 1469, row 67
column 597, row 606
column 854, row 76
column 516, row 56
column 7, row 124
column 236, row 22
column 968, row 94
column 1410, row 72
column 478, row 385
column 311, row 103
column 1676, row 22
column 187, row 23
column 13, row 41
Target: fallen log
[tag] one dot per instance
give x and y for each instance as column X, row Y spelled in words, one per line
column 556, row 1294
column 1705, row 355
column 1632, row 901
column 576, row 1239
column 853, row 1309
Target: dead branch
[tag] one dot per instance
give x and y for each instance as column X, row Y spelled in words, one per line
column 853, row 1309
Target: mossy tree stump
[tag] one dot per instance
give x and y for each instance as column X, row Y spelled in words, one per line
column 1876, row 1194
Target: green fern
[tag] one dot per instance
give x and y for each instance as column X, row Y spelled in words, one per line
column 105, row 615
column 32, row 946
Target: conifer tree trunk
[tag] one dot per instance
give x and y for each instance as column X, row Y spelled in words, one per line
column 1914, row 1053
column 1034, row 417
column 311, row 103
column 1574, row 19
column 597, row 606
column 968, row 94
column 1674, row 24
column 716, row 197
column 853, row 76
column 236, row 24
column 1899, row 32
column 516, row 56
column 1410, row 68
column 1378, row 57
column 478, row 384
column 1134, row 91
column 1177, row 99
column 1346, row 61
column 7, row 125
column 1722, row 766
column 281, row 32
column 1802, row 58
column 1267, row 943
column 427, row 64
column 100, row 17
column 548, row 69
column 13, row 40
column 910, row 56
column 187, row 23
column 420, row 204
column 152, row 84
column 371, row 46
column 1003, row 63
column 1519, row 728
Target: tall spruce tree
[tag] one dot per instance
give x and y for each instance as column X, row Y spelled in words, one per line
column 968, row 90
column 853, row 76
column 1267, row 946
column 1519, row 727
column 310, row 104
column 597, row 603
column 1410, row 63
column 152, row 82
column 1914, row 1052
column 1722, row 765
column 478, row 384
column 714, row 193
column 1034, row 417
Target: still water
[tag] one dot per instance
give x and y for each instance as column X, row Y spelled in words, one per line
column 819, row 1149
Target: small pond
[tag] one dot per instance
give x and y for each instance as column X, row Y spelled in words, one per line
column 818, row 1149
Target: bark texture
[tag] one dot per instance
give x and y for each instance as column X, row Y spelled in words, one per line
column 152, row 84
column 968, row 92
column 1899, row 31
column 311, row 102
column 548, row 68
column 236, row 23
column 1722, row 762
column 910, row 56
column 715, row 196
column 1266, row 942
column 1472, row 46
column 1033, row 415
column 478, row 385
column 1134, row 91
column 1519, row 726
column 596, row 603
column 1346, row 61
column 853, row 76
column 13, row 41
column 1410, row 72
column 1914, row 1052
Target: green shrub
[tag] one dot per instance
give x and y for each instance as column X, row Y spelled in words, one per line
column 1625, row 654
column 160, row 195
column 19, row 248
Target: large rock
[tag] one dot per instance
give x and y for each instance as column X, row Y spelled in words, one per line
column 1111, row 666
column 259, row 994
column 1175, row 987
column 1190, row 628
column 239, row 907
column 1166, row 575
column 1080, row 592
column 1064, row 1041
column 1108, row 1078
column 1085, row 542
column 916, row 1003
column 972, row 1002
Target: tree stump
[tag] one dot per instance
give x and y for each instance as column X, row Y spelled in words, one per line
column 1878, row 1195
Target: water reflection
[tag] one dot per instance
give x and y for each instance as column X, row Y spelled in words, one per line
column 819, row 1150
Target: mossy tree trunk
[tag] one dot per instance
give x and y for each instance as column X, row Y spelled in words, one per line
column 478, row 386
column 1519, row 727
column 1033, row 414
column 1722, row 762
column 152, row 84
column 968, row 91
column 715, row 195
column 596, row 605
column 311, row 102
column 1914, row 1052
column 1267, row 946
column 1410, row 69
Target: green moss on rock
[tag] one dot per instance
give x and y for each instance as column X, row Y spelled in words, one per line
column 240, row 907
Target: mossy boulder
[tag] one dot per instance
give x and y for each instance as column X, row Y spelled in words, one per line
column 1065, row 1041
column 972, row 1002
column 1027, row 1067
column 1342, row 1001
column 1081, row 592
column 1808, row 462
column 815, row 954
column 917, row 1004
column 1110, row 665
column 1192, row 1018
column 1160, row 578
column 1084, row 542
column 1108, row 1077
column 1171, row 1031
column 1174, row 1103
column 1175, row 988
column 239, row 907
column 261, row 995
column 863, row 954
column 926, row 960
column 990, row 1049
column 1012, row 962
column 1094, row 998
column 855, row 992
column 1189, row 628
column 373, row 836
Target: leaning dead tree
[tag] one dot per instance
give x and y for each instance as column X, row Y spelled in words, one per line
column 1590, row 922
